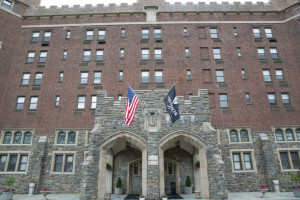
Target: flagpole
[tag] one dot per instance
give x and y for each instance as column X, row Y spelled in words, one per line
column 172, row 87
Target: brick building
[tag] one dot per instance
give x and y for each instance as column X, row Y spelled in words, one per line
column 63, row 84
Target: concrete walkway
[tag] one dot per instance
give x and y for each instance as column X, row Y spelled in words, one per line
column 231, row 196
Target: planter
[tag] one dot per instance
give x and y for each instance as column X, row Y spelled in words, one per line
column 142, row 198
column 118, row 191
column 263, row 192
column 187, row 190
column 7, row 195
column 165, row 198
column 45, row 193
column 297, row 192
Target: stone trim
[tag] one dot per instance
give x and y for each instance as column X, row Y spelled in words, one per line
column 54, row 153
column 18, row 161
column 239, row 135
column 251, row 151
column 67, row 131
column 14, row 131
column 289, row 160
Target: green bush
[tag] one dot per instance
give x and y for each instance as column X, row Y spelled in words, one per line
column 119, row 183
column 10, row 182
column 188, row 182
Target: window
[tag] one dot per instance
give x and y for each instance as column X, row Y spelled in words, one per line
column 188, row 75
column 101, row 34
column 64, row 55
column 20, row 103
column 13, row 162
column 61, row 77
column 239, row 51
column 289, row 135
column 99, row 55
column 38, row 78
column 145, row 77
column 7, row 4
column 213, row 33
column 123, row 32
column 190, row 95
column 298, row 134
column 223, row 100
column 170, row 168
column 185, row 32
column 289, row 159
column 135, row 169
column 86, row 55
column 274, row 54
column 122, row 53
column 25, row 79
column 157, row 33
column 158, row 77
column 158, row 54
column 84, row 77
column 81, row 102
column 279, row 74
column 279, row 135
column 47, row 37
column 261, row 53
column 35, row 36
column 244, row 136
column 30, row 57
column 94, row 102
column 285, row 99
column 187, row 52
column 43, row 56
column 145, row 33
column 71, row 137
column 145, row 54
column 27, row 138
column 61, row 138
column 217, row 53
column 33, row 103
column 220, row 76
column 57, row 98
column 63, row 162
column 68, row 36
column 243, row 74
column 235, row 31
column 272, row 99
column 242, row 161
column 97, row 77
column 119, row 97
column 256, row 33
column 18, row 137
column 239, row 136
column 121, row 75
column 234, row 137
column 267, row 76
column 89, row 35
column 248, row 100
column 268, row 32
column 7, row 138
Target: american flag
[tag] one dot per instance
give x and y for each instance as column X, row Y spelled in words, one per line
column 131, row 105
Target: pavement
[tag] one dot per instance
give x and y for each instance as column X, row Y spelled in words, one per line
column 231, row 196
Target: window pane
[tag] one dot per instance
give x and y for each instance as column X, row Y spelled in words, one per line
column 285, row 99
column 33, row 102
column 27, row 138
column 234, row 136
column 17, row 138
column 7, row 138
column 12, row 163
column 23, row 163
column 58, row 163
column 69, row 163
column 3, row 159
column 244, row 136
column 284, row 160
column 298, row 134
column 237, row 161
column 279, row 75
column 97, row 77
column 71, row 138
column 247, row 160
column 295, row 160
column 279, row 135
column 61, row 138
column 81, row 102
column 289, row 135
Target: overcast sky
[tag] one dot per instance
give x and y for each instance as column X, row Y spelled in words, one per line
column 118, row 2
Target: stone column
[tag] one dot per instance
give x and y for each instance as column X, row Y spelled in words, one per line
column 161, row 172
column 102, row 174
column 144, row 171
column 196, row 158
column 204, row 181
column 109, row 174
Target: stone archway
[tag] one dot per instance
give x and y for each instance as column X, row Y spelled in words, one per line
column 198, row 152
column 109, row 147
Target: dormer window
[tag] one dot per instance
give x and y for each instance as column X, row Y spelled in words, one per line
column 7, row 4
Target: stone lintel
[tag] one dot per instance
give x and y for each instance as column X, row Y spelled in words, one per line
column 42, row 139
column 263, row 137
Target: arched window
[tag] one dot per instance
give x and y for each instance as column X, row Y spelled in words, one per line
column 234, row 136
column 61, row 138
column 7, row 138
column 17, row 138
column 27, row 138
column 279, row 135
column 289, row 135
column 244, row 136
column 298, row 134
column 71, row 138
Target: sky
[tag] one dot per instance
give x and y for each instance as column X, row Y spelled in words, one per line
column 59, row 3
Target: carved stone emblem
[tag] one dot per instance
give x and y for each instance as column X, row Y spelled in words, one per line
column 152, row 117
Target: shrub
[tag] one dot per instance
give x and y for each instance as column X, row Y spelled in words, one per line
column 10, row 182
column 188, row 182
column 119, row 183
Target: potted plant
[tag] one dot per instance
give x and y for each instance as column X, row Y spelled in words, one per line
column 164, row 197
column 142, row 197
column 8, row 193
column 118, row 189
column 295, row 177
column 108, row 166
column 188, row 186
column 263, row 189
column 45, row 191
column 198, row 164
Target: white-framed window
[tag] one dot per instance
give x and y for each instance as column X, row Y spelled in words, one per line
column 279, row 75
column 239, row 51
column 285, row 99
column 25, row 79
column 84, row 76
column 43, row 56
column 20, row 103
column 261, row 53
column 274, row 53
column 239, row 135
column 248, row 100
column 244, row 77
column 35, row 36
column 57, row 100
column 289, row 159
column 217, row 53
column 223, row 100
column 123, row 32
column 214, row 33
column 101, row 34
column 89, row 35
column 38, row 78
column 30, row 57
column 47, row 36
column 187, row 52
column 158, row 76
column 99, row 54
column 256, row 32
column 243, row 160
column 66, row 137
column 7, row 4
column 97, row 77
column 235, row 31
column 157, row 33
column 61, row 77
column 63, row 162
column 121, row 74
column 145, row 33
column 145, row 77
column 68, row 35
column 16, row 137
column 220, row 76
column 272, row 99
column 185, row 32
column 268, row 32
column 33, row 103
column 158, row 54
column 65, row 53
column 119, row 97
column 122, row 53
column 87, row 55
column 14, row 162
column 188, row 75
column 145, row 54
column 290, row 134
column 267, row 75
column 81, row 102
column 93, row 102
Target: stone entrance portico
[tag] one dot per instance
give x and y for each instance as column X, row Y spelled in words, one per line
column 150, row 145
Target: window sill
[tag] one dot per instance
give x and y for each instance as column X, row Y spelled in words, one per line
column 18, row 109
column 62, row 173
column 29, row 62
column 86, row 61
column 41, row 62
column 16, row 144
column 24, row 85
column 13, row 172
column 245, row 171
column 65, row 144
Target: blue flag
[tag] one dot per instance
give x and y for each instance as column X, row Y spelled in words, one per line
column 172, row 105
